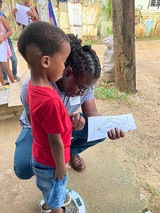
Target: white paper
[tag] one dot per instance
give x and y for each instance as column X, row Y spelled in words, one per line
column 21, row 15
column 3, row 51
column 99, row 125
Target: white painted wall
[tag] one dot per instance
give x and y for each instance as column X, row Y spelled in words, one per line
column 144, row 4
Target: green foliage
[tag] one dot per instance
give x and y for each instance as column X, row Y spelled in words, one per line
column 107, row 8
column 106, row 16
column 21, row 2
column 14, row 36
column 151, row 189
column 13, row 24
column 7, row 16
column 148, row 39
column 109, row 30
column 103, row 92
column 90, row 42
column 152, row 32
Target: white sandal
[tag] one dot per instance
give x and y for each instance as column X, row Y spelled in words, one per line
column 67, row 201
column 71, row 210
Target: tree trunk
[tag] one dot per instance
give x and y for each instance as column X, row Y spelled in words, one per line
column 123, row 14
column 43, row 10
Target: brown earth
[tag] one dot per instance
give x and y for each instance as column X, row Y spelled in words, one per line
column 139, row 151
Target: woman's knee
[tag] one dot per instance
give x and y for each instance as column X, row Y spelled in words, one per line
column 23, row 153
column 23, row 170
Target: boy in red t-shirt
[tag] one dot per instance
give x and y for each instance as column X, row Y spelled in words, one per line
column 45, row 47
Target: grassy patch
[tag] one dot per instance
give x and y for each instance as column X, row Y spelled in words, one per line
column 151, row 189
column 148, row 39
column 88, row 42
column 104, row 92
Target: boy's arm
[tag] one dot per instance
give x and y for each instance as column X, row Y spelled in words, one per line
column 57, row 149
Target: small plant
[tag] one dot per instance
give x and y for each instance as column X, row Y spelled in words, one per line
column 90, row 42
column 151, row 189
column 152, row 32
column 150, row 154
column 107, row 8
column 103, row 92
column 148, row 39
column 109, row 30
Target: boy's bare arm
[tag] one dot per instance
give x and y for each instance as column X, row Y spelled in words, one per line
column 57, row 149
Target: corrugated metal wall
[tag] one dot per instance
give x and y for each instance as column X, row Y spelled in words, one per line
column 147, row 23
column 78, row 17
column 86, row 17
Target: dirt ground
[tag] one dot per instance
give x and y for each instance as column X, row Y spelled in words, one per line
column 140, row 151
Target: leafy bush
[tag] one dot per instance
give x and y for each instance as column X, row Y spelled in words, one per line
column 103, row 92
column 107, row 8
column 14, row 36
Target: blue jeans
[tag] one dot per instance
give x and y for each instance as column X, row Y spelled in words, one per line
column 54, row 191
column 23, row 151
column 13, row 58
column 23, row 155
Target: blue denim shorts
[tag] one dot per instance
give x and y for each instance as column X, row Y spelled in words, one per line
column 54, row 190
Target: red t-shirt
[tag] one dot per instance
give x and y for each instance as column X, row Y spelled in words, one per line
column 48, row 116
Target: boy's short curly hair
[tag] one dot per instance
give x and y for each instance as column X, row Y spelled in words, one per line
column 47, row 37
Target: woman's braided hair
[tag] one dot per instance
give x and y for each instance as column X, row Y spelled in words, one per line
column 83, row 59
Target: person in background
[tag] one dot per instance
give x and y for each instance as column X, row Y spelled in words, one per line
column 5, row 32
column 33, row 14
column 13, row 58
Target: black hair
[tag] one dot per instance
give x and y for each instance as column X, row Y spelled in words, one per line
column 0, row 1
column 47, row 37
column 83, row 59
